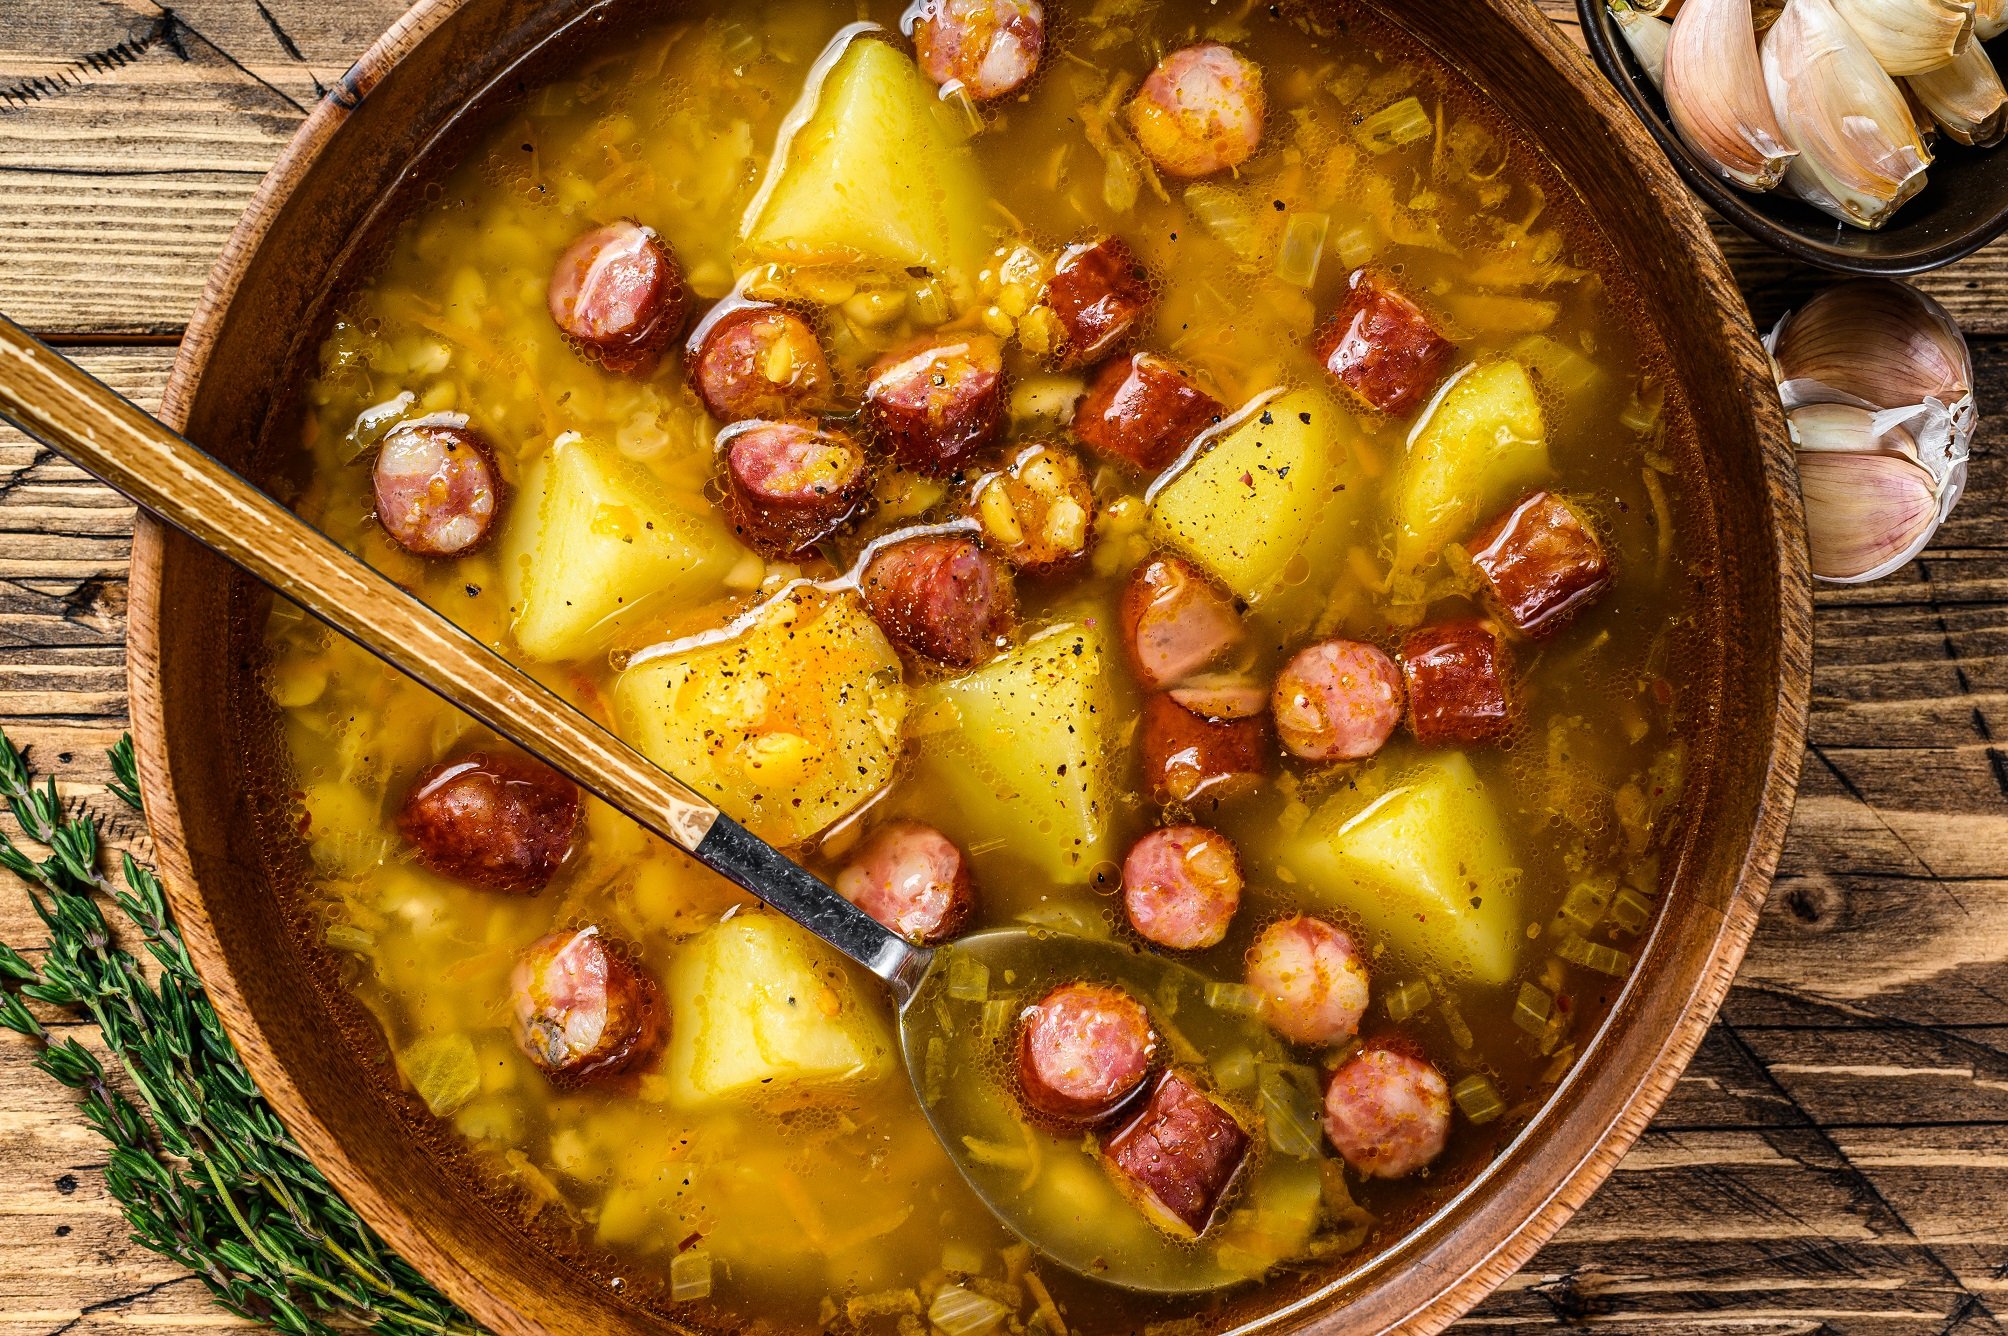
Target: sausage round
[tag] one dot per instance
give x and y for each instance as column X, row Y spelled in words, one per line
column 1312, row 978
column 1387, row 1112
column 1177, row 1158
column 789, row 485
column 913, row 879
column 1456, row 675
column 1181, row 886
column 1337, row 700
column 617, row 293
column 1144, row 410
column 942, row 597
column 1381, row 347
column 584, row 1009
column 988, row 48
column 1083, row 1049
column 938, row 400
column 1187, row 758
column 1541, row 562
column 1200, row 111
column 1097, row 294
column 754, row 360
column 437, row 489
column 494, row 819
column 1176, row 622
column 1038, row 512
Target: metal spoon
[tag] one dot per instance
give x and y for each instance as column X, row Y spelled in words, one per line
column 1046, row 1189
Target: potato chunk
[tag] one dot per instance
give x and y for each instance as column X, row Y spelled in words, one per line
column 875, row 176
column 759, row 1007
column 596, row 541
column 1284, row 485
column 1426, row 866
column 789, row 725
column 1484, row 442
column 1023, row 746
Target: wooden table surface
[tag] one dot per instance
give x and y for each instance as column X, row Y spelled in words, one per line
column 1836, row 1160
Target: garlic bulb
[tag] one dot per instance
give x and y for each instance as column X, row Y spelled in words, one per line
column 1877, row 383
column 1647, row 37
column 1910, row 36
column 1860, row 155
column 1715, row 94
column 1966, row 98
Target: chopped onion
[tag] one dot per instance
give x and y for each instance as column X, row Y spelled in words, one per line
column 1235, row 1070
column 968, row 979
column 1227, row 216
column 997, row 1016
column 443, row 1071
column 1303, row 247
column 1641, row 414
column 1531, row 1010
column 1594, row 956
column 1479, row 1099
column 690, row 1275
column 1358, row 244
column 1585, row 904
column 960, row 1312
column 1403, row 122
column 1560, row 367
column 1407, row 999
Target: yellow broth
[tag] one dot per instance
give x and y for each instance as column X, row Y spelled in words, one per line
column 833, row 1205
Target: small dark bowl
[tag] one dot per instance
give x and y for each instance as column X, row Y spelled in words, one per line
column 1963, row 206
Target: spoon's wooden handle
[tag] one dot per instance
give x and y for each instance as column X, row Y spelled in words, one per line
column 55, row 401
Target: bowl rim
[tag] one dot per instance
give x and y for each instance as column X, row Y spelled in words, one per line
column 1612, row 55
column 1658, row 1068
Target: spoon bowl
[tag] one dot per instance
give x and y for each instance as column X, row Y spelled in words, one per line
column 957, row 1031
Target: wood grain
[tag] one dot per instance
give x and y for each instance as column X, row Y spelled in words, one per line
column 1833, row 1161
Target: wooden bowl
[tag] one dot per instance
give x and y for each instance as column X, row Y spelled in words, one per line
column 208, row 743
column 1963, row 206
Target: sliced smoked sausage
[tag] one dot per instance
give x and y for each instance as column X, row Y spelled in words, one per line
column 911, row 878
column 1456, row 674
column 942, row 597
column 437, row 489
column 1200, row 111
column 617, row 293
column 1176, row 621
column 1382, row 348
column 938, row 400
column 755, row 360
column 1542, row 563
column 1178, row 1157
column 988, row 48
column 494, row 819
column 1144, row 410
column 1181, row 886
column 1098, row 292
column 1187, row 758
column 1387, row 1112
column 1312, row 978
column 1337, row 700
column 1083, row 1049
column 789, row 485
column 584, row 1009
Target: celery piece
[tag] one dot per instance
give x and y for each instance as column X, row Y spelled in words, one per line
column 1391, row 127
column 1478, row 1097
column 1407, row 999
column 997, row 1014
column 968, row 979
column 1585, row 904
column 1594, row 956
column 1235, row 998
column 1631, row 911
column 690, row 1275
column 1530, row 1011
column 1303, row 247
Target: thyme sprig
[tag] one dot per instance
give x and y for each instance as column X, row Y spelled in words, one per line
column 203, row 1171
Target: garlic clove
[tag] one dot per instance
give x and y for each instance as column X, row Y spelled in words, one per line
column 1860, row 155
column 1921, row 118
column 1966, row 98
column 1647, row 37
column 1871, row 342
column 1910, row 36
column 1867, row 513
column 1845, row 427
column 1990, row 19
column 1715, row 94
